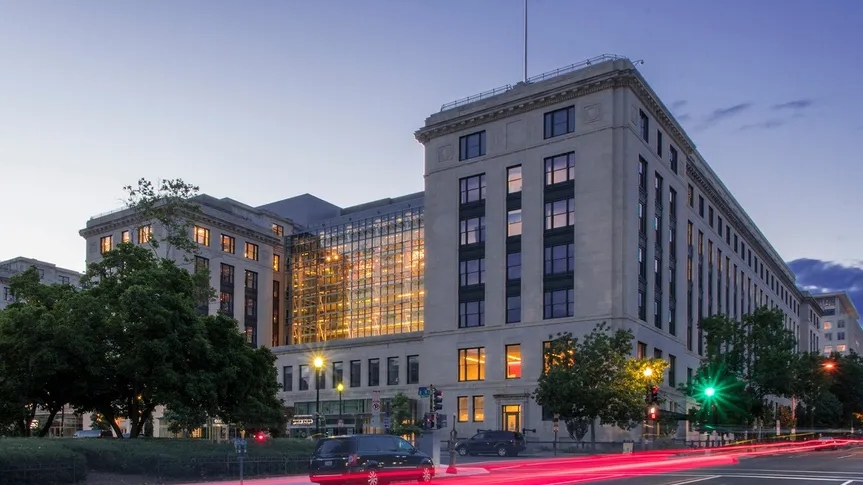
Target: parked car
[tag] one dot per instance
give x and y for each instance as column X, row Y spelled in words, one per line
column 500, row 443
column 92, row 433
column 369, row 459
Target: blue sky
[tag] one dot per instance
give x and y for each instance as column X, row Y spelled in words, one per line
column 264, row 100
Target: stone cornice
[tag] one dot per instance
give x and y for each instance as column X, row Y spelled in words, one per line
column 330, row 345
column 766, row 253
column 132, row 219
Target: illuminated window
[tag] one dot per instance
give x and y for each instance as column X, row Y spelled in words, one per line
column 228, row 243
column 106, row 243
column 462, row 408
column 478, row 409
column 513, row 361
column 560, row 169
column 202, row 236
column 145, row 234
column 841, row 348
column 471, row 364
column 251, row 251
column 125, row 237
column 277, row 262
column 227, row 273
column 278, row 230
column 513, row 179
column 226, row 303
column 827, row 326
column 513, row 223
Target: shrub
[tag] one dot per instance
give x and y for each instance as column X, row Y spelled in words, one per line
column 33, row 461
column 165, row 459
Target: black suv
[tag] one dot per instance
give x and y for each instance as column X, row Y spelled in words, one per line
column 500, row 443
column 369, row 459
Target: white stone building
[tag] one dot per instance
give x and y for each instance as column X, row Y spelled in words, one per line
column 49, row 273
column 840, row 323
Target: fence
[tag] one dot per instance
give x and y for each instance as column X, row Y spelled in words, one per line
column 156, row 471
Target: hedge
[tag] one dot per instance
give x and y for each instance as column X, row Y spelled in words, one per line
column 65, row 460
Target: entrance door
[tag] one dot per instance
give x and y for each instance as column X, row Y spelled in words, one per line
column 511, row 414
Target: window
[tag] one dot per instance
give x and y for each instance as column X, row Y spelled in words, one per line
column 471, row 272
column 672, row 201
column 304, row 377
column 559, row 303
column 513, row 266
column 701, row 206
column 226, row 303
column 64, row 280
column 392, row 371
column 840, row 335
column 559, row 122
column 478, row 409
column 278, row 230
column 471, row 364
column 513, row 361
column 659, row 143
column 513, row 179
column 657, row 188
column 461, row 409
column 642, row 175
column 513, row 309
column 641, row 350
column 125, row 237
column 644, row 126
column 672, row 158
column 276, row 263
column 251, row 251
column 472, row 230
column 374, row 372
column 472, row 146
column 355, row 371
column 672, row 370
column 560, row 259
column 413, row 369
column 106, row 243
column 560, row 169
column 201, row 264
column 251, row 306
column 690, row 196
column 513, row 223
column 227, row 275
column 228, row 243
column 145, row 234
column 338, row 373
column 560, row 213
column 202, row 236
column 251, row 280
column 471, row 314
column 288, row 378
column 472, row 189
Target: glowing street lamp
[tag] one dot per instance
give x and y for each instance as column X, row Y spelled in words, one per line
column 648, row 372
column 318, row 362
column 709, row 392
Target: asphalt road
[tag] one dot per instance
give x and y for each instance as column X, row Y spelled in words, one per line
column 843, row 467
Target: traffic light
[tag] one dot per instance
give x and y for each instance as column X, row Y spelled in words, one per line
column 653, row 413
column 654, row 395
column 428, row 421
column 709, row 392
column 432, row 417
column 437, row 401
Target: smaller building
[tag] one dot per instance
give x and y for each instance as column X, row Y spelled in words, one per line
column 49, row 273
column 840, row 324
column 809, row 334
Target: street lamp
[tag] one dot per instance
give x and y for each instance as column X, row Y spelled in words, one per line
column 319, row 364
column 340, row 388
column 710, row 392
column 648, row 372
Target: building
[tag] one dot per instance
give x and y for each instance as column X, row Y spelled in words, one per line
column 811, row 315
column 355, row 279
column 241, row 245
column 66, row 422
column 840, row 323
column 568, row 200
column 49, row 273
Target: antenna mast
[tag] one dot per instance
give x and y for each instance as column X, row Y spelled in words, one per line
column 524, row 66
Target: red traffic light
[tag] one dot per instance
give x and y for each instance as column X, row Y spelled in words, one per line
column 261, row 437
column 653, row 412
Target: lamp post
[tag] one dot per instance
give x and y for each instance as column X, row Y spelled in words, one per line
column 340, row 387
column 319, row 364
column 648, row 372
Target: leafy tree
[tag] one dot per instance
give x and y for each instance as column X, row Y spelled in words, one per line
column 170, row 204
column 182, row 419
column 42, row 352
column 97, row 421
column 596, row 379
column 846, row 375
column 401, row 416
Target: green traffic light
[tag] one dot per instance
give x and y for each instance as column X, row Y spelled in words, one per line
column 709, row 392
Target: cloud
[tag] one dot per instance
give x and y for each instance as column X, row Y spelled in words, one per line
column 819, row 276
column 794, row 105
column 683, row 117
column 679, row 104
column 764, row 125
column 723, row 113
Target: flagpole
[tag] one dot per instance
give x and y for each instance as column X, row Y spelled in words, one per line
column 525, row 43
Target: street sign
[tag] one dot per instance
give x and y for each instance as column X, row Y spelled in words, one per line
column 341, row 423
column 376, row 420
column 387, row 422
column 376, row 407
column 376, row 398
column 423, row 391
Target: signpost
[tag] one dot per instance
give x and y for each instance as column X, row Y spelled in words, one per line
column 556, row 421
column 240, row 446
column 376, row 410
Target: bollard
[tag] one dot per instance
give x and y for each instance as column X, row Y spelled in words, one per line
column 451, row 469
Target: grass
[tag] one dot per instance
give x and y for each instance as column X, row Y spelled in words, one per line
column 27, row 461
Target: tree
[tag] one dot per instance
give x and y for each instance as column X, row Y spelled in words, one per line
column 401, row 416
column 596, row 379
column 182, row 419
column 169, row 203
column 97, row 421
column 846, row 376
column 42, row 352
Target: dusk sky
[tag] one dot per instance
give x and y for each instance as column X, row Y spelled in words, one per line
column 263, row 100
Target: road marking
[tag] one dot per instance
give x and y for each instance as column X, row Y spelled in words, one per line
column 848, row 482
column 696, row 480
column 846, row 456
column 771, row 477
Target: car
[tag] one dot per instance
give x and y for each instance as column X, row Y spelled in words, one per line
column 368, row 459
column 500, row 443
